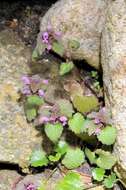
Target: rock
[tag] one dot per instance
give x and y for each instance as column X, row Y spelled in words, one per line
column 114, row 76
column 8, row 179
column 37, row 180
column 17, row 137
column 77, row 20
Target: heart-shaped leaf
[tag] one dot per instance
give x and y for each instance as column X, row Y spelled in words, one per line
column 34, row 100
column 53, row 131
column 107, row 135
column 76, row 124
column 85, row 104
column 105, row 160
column 38, row 158
column 72, row 181
column 31, row 114
column 73, row 158
column 98, row 174
column 58, row 48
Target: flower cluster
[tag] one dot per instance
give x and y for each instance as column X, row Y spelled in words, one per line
column 33, row 85
column 49, row 36
column 30, row 186
column 53, row 119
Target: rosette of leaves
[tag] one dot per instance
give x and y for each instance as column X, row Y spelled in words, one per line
column 73, row 158
column 72, row 181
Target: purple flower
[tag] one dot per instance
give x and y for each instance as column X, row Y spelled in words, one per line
column 97, row 121
column 26, row 90
column 30, row 186
column 57, row 35
column 49, row 27
column 49, row 47
column 63, row 120
column 35, row 79
column 97, row 131
column 25, row 80
column 53, row 119
column 45, row 81
column 41, row 93
column 43, row 120
column 45, row 37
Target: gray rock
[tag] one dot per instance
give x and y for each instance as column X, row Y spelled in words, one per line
column 80, row 20
column 17, row 137
column 9, row 179
column 50, row 178
column 114, row 76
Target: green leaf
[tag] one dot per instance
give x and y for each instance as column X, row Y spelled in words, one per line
column 73, row 158
column 105, row 160
column 38, row 158
column 107, row 135
column 98, row 174
column 110, row 181
column 90, row 155
column 58, row 48
column 85, row 104
column 61, row 147
column 66, row 67
column 35, row 55
column 65, row 107
column 53, row 131
column 31, row 114
column 72, row 181
column 76, row 124
column 55, row 158
column 73, row 44
column 34, row 100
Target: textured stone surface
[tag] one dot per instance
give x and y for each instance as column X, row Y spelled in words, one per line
column 80, row 20
column 49, row 176
column 114, row 75
column 8, row 179
column 17, row 137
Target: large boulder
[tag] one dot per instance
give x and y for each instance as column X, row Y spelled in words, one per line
column 80, row 20
column 17, row 137
column 114, row 76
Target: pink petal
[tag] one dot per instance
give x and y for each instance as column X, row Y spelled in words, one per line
column 45, row 81
column 41, row 93
column 25, row 80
